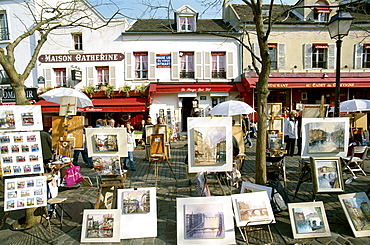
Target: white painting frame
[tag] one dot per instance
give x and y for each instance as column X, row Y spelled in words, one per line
column 259, row 203
column 224, row 201
column 26, row 192
column 221, row 156
column 21, row 118
column 97, row 213
column 119, row 135
column 255, row 188
column 324, row 124
column 138, row 225
column 21, row 153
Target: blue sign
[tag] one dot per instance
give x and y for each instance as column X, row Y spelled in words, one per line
column 163, row 60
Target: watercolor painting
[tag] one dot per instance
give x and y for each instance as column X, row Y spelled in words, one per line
column 135, row 201
column 326, row 137
column 327, row 174
column 107, row 165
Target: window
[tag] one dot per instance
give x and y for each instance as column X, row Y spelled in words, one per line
column 366, row 56
column 218, row 64
column 77, row 39
column 186, row 24
column 141, row 65
column 103, row 75
column 4, row 32
column 319, row 56
column 321, row 12
column 4, row 79
column 60, row 77
column 187, row 65
column 273, row 55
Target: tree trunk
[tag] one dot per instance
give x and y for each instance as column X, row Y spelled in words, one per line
column 19, row 92
column 30, row 220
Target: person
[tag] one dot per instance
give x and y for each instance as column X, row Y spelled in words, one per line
column 253, row 130
column 246, row 126
column 83, row 151
column 99, row 123
column 236, row 149
column 46, row 146
column 160, row 120
column 111, row 123
column 291, row 132
column 299, row 140
column 130, row 148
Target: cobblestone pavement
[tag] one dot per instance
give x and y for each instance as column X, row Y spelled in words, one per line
column 85, row 197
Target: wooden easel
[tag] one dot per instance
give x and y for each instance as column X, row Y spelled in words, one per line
column 107, row 183
column 255, row 228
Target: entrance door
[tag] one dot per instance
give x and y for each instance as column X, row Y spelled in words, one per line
column 187, row 107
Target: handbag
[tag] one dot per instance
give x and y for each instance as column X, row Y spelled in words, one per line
column 73, row 175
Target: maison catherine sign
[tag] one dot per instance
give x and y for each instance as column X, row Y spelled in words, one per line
column 57, row 58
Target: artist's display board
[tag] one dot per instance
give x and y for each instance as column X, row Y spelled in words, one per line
column 75, row 130
column 106, row 141
column 21, row 153
column 20, row 118
column 25, row 192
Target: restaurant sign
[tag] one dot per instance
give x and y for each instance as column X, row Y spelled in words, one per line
column 309, row 85
column 58, row 58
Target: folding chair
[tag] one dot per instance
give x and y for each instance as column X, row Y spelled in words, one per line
column 353, row 163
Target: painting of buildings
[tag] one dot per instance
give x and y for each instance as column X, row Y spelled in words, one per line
column 309, row 220
column 326, row 137
column 136, row 201
column 107, row 165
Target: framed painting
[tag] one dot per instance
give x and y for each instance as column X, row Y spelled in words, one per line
column 308, row 219
column 313, row 110
column 106, row 141
column 248, row 187
column 101, row 225
column 156, row 129
column 274, row 109
column 139, row 210
column 276, row 123
column 252, row 209
column 326, row 174
column 356, row 206
column 107, row 165
column 21, row 118
column 325, row 137
column 216, row 214
column 210, row 146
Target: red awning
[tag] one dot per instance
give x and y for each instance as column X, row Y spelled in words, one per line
column 196, row 88
column 323, row 9
column 310, row 82
column 102, row 105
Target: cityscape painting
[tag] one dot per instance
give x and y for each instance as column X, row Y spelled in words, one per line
column 107, row 165
column 308, row 220
column 106, row 141
column 327, row 174
column 135, row 201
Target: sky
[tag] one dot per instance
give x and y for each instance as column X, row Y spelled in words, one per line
column 132, row 9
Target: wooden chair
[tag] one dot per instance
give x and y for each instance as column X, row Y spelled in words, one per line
column 157, row 154
column 353, row 163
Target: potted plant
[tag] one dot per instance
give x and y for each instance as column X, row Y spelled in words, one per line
column 125, row 88
column 140, row 89
column 108, row 89
column 89, row 89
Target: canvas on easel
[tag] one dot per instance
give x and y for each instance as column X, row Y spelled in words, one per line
column 67, row 106
column 75, row 130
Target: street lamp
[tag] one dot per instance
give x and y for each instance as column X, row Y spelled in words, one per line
column 338, row 27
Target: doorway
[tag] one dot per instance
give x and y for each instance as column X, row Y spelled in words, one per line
column 187, row 107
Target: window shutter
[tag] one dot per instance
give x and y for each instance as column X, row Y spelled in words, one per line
column 308, row 56
column 47, row 75
column 175, row 65
column 90, row 75
column 151, row 65
column 257, row 53
column 207, row 65
column 230, row 65
column 281, row 56
column 198, row 65
column 112, row 76
column 358, row 55
column 129, row 66
column 331, row 56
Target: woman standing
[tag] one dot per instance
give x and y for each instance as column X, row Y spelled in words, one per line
column 130, row 148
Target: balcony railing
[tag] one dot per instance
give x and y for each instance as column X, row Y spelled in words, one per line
column 218, row 74
column 187, row 74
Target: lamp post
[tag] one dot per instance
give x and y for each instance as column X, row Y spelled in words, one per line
column 338, row 27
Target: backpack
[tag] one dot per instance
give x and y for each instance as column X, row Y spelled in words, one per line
column 279, row 196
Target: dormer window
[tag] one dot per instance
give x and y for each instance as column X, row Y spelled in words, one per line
column 321, row 12
column 186, row 18
column 186, row 24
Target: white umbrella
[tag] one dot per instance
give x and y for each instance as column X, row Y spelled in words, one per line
column 230, row 108
column 353, row 105
column 56, row 94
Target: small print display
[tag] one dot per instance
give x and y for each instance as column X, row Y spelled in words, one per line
column 106, row 141
column 327, row 174
column 308, row 219
column 248, row 187
column 21, row 153
column 139, row 209
column 101, row 225
column 23, row 193
column 107, row 165
column 205, row 220
column 210, row 146
column 21, row 118
column 356, row 206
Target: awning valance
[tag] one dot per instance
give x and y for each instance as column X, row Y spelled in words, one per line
column 196, row 88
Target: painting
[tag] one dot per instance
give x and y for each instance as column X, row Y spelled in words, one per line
column 274, row 109
column 27, row 192
column 138, row 209
column 107, row 165
column 356, row 206
column 327, row 174
column 325, row 137
column 21, row 118
column 308, row 219
column 275, row 143
column 101, row 225
column 209, row 147
column 248, row 187
column 205, row 220
column 106, row 141
column 277, row 123
column 252, row 208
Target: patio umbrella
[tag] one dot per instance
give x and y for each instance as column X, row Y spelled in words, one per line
column 56, row 94
column 353, row 105
column 230, row 108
